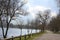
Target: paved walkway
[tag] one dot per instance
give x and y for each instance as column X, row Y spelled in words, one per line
column 49, row 36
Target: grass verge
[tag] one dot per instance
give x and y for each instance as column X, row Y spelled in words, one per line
column 36, row 35
column 31, row 37
column 57, row 33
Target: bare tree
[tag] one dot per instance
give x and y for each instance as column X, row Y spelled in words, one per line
column 7, row 12
column 43, row 19
column 32, row 24
column 20, row 25
column 28, row 27
column 36, row 24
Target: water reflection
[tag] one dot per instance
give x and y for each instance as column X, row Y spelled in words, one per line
column 16, row 32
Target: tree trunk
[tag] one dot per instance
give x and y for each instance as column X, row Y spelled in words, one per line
column 20, row 33
column 2, row 27
column 31, row 32
column 6, row 30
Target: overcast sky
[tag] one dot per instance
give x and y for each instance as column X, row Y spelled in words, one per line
column 33, row 6
column 44, row 3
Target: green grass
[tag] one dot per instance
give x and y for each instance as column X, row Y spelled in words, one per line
column 31, row 37
column 57, row 33
column 36, row 35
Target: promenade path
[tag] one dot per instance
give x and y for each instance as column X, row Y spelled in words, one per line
column 48, row 36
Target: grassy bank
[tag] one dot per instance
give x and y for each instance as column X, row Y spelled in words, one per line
column 26, row 37
column 36, row 35
column 57, row 33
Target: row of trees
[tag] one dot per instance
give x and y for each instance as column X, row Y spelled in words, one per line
column 55, row 24
column 8, row 10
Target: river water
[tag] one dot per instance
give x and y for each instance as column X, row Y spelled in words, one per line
column 16, row 32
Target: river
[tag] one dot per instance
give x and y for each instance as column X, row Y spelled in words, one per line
column 16, row 32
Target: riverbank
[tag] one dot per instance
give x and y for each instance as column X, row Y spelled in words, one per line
column 27, row 37
column 17, row 32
